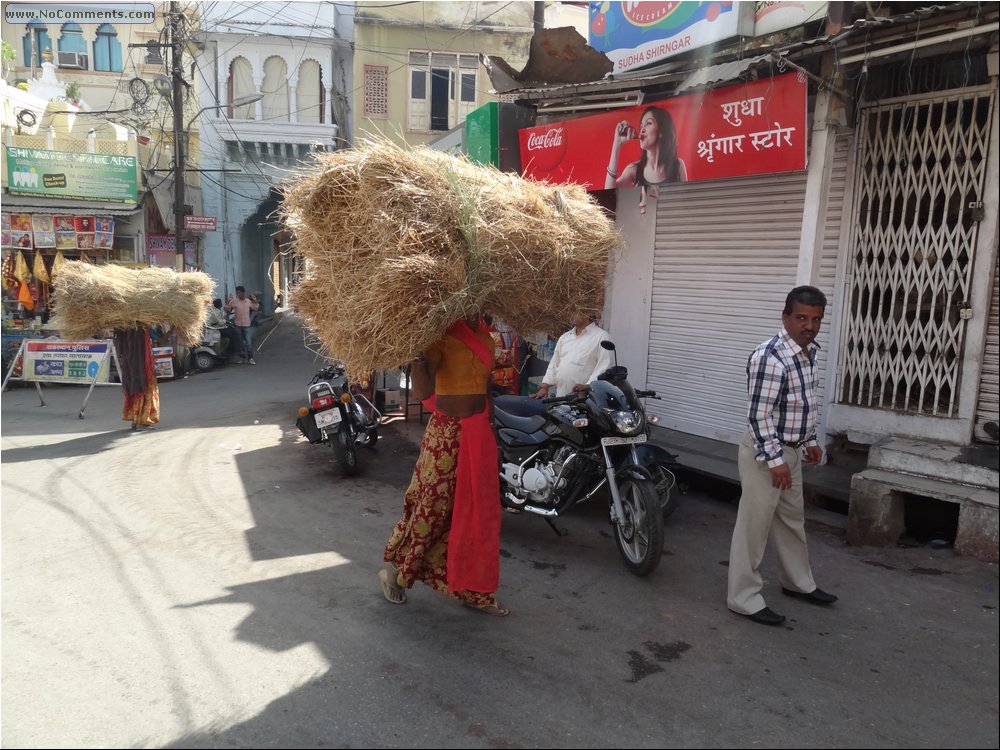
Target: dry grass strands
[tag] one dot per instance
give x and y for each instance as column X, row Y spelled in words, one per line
column 90, row 300
column 400, row 243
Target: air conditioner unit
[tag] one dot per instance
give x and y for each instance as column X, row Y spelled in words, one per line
column 76, row 60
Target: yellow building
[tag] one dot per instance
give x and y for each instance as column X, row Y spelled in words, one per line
column 417, row 71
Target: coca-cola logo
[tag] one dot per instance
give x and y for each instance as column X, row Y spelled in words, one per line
column 551, row 138
column 546, row 148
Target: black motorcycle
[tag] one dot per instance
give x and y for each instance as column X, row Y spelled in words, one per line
column 339, row 415
column 556, row 453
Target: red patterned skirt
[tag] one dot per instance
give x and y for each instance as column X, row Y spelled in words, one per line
column 138, row 376
column 418, row 545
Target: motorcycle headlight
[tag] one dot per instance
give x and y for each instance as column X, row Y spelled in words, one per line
column 627, row 422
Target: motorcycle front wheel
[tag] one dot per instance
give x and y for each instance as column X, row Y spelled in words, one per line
column 639, row 534
column 345, row 453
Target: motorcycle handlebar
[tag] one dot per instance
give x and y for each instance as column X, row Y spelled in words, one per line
column 326, row 373
column 648, row 394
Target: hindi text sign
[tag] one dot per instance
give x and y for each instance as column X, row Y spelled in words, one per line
column 54, row 361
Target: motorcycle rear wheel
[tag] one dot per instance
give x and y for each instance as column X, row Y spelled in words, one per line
column 345, row 453
column 639, row 535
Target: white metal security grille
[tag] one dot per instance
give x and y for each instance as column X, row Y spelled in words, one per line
column 921, row 170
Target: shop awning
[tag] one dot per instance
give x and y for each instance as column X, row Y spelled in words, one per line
column 722, row 73
column 163, row 196
column 34, row 205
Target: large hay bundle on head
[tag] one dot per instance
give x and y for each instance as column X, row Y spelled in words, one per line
column 401, row 243
column 89, row 300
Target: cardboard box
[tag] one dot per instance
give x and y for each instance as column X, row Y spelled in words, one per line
column 388, row 399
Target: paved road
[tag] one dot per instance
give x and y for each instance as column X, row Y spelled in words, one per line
column 212, row 584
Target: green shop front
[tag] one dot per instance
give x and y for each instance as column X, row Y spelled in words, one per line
column 59, row 206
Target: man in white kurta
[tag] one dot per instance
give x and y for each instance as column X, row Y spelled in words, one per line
column 577, row 360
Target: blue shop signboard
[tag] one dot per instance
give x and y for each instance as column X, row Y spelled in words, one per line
column 635, row 34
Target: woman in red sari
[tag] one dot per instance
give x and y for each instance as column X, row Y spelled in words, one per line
column 449, row 534
column 138, row 376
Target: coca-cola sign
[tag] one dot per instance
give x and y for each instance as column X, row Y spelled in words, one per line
column 545, row 147
column 756, row 127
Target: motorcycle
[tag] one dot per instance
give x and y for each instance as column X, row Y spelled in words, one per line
column 557, row 453
column 340, row 415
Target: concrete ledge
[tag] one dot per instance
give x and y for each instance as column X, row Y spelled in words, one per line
column 931, row 460
column 876, row 512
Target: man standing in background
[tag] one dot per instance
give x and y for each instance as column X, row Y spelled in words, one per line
column 243, row 307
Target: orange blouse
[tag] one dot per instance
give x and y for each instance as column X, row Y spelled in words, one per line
column 458, row 371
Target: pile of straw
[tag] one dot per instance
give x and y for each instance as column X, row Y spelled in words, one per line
column 90, row 300
column 398, row 244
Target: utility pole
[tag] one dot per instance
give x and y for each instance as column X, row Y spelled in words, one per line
column 539, row 15
column 177, row 74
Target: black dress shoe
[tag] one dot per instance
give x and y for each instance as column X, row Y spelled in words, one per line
column 816, row 596
column 767, row 616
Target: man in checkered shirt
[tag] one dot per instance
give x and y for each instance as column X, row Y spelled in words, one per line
column 781, row 382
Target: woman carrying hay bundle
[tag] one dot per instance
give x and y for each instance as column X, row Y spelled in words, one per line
column 449, row 534
column 138, row 376
column 91, row 300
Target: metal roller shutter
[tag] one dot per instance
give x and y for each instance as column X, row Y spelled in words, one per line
column 725, row 256
column 988, row 403
column 829, row 254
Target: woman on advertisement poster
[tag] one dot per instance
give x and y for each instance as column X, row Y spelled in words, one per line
column 659, row 163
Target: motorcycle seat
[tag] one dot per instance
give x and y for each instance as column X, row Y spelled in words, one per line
column 519, row 406
column 523, row 414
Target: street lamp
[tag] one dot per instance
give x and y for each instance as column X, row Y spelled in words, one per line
column 180, row 158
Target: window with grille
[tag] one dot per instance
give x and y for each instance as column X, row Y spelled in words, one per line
column 377, row 91
column 444, row 88
column 924, row 76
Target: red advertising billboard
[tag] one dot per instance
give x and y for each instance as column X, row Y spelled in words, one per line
column 757, row 127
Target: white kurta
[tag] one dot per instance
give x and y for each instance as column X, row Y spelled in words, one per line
column 578, row 358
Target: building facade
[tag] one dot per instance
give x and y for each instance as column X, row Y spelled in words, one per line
column 102, row 80
column 893, row 215
column 417, row 69
column 291, row 68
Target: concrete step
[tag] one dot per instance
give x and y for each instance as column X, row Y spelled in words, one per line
column 967, row 465
column 939, row 489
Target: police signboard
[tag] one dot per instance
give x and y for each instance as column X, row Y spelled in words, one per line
column 53, row 361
